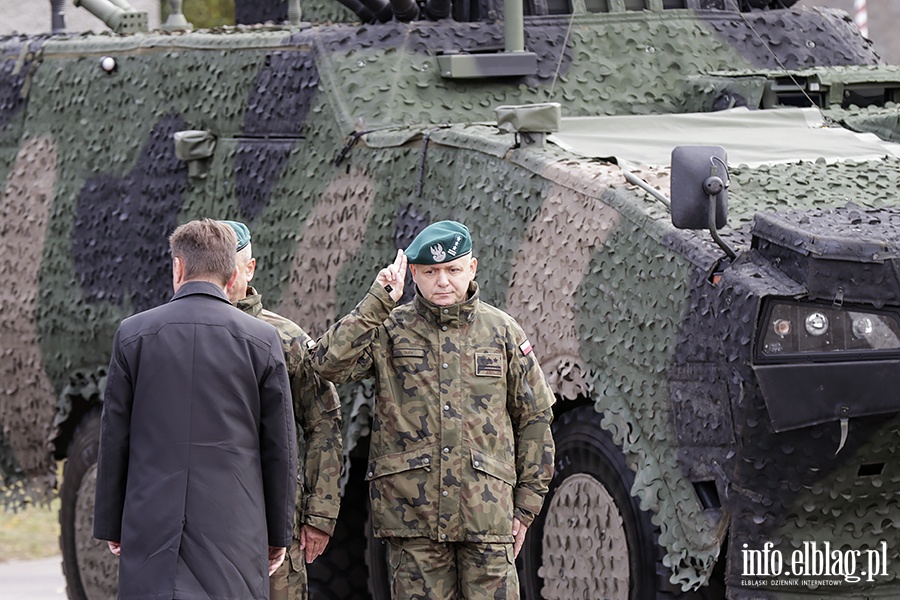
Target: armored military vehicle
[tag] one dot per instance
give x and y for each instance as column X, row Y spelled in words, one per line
column 690, row 205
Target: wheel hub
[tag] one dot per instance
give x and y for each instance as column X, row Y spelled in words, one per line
column 585, row 551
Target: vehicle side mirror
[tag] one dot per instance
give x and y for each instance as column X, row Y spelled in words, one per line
column 699, row 172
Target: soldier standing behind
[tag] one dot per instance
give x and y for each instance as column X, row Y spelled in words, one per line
column 318, row 415
column 461, row 451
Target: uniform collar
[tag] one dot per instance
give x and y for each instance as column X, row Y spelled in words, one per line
column 252, row 303
column 455, row 315
column 206, row 288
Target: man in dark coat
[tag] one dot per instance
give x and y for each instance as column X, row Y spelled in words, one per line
column 196, row 472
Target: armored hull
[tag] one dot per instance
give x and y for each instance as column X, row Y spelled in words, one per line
column 695, row 450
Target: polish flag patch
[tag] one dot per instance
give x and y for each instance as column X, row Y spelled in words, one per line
column 525, row 347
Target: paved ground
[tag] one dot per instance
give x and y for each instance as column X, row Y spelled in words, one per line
column 32, row 580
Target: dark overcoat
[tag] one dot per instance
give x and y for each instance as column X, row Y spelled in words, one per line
column 196, row 472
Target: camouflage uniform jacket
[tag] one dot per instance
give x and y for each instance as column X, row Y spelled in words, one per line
column 461, row 437
column 318, row 415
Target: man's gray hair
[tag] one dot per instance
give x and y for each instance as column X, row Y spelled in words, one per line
column 245, row 254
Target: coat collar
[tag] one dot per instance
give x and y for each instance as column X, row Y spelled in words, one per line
column 455, row 315
column 192, row 288
column 252, row 303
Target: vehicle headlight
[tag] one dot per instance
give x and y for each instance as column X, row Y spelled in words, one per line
column 781, row 327
column 804, row 330
column 863, row 327
column 816, row 324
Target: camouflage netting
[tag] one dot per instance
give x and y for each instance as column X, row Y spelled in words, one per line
column 25, row 405
column 882, row 121
column 790, row 488
column 618, row 304
column 776, row 490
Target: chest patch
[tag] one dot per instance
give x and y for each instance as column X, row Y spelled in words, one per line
column 408, row 360
column 408, row 353
column 489, row 364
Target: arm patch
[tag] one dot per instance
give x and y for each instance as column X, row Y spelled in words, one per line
column 525, row 347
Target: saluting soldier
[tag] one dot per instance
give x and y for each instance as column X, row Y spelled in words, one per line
column 318, row 415
column 461, row 452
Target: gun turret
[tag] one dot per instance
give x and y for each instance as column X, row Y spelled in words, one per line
column 119, row 15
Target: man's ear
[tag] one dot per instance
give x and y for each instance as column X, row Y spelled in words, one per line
column 251, row 269
column 230, row 283
column 177, row 273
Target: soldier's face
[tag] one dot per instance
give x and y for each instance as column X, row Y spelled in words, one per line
column 447, row 283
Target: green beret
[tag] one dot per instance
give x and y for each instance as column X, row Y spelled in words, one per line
column 439, row 243
column 243, row 234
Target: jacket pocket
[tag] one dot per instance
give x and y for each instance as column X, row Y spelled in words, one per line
column 399, row 487
column 493, row 466
column 391, row 464
column 488, row 497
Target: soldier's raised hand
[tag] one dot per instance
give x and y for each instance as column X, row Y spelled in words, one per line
column 393, row 276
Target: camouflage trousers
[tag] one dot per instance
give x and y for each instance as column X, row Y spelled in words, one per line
column 422, row 569
column 289, row 581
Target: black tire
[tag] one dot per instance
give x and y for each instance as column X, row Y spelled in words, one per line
column 340, row 573
column 590, row 491
column 90, row 569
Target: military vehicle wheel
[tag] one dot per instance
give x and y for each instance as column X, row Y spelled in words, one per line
column 340, row 573
column 592, row 540
column 91, row 571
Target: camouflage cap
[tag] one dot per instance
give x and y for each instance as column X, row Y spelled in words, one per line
column 439, row 243
column 242, row 232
